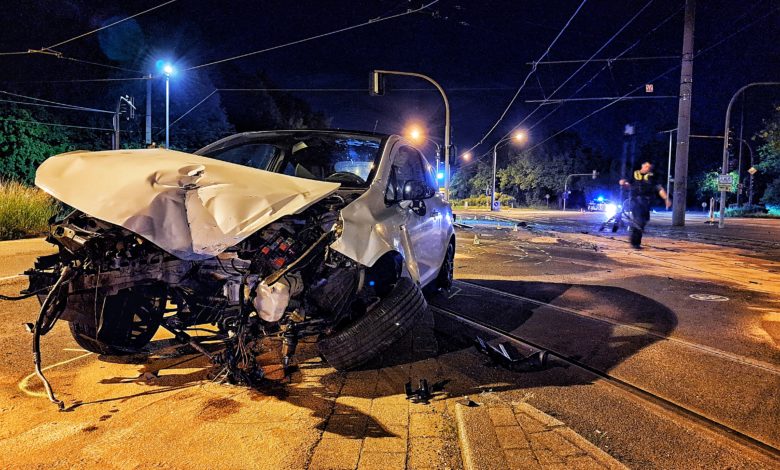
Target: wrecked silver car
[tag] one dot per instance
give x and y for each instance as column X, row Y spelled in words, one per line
column 287, row 233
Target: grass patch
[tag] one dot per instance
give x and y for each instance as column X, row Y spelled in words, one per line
column 24, row 211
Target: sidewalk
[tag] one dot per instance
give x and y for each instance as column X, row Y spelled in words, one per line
column 374, row 426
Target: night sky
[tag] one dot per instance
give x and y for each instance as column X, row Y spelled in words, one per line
column 478, row 50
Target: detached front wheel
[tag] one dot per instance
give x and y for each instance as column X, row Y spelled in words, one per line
column 128, row 322
column 375, row 331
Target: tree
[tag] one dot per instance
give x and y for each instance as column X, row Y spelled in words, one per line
column 769, row 157
column 24, row 144
column 707, row 185
column 532, row 174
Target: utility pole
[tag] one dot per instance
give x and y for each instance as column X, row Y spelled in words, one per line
column 149, row 110
column 119, row 111
column 669, row 166
column 739, row 162
column 684, row 118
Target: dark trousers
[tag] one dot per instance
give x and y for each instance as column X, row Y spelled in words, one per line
column 640, row 213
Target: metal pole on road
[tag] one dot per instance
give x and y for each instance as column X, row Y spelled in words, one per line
column 376, row 81
column 167, row 110
column 519, row 137
column 493, row 180
column 149, row 110
column 684, row 118
column 725, row 167
column 669, row 167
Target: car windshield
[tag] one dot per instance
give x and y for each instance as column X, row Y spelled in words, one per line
column 348, row 159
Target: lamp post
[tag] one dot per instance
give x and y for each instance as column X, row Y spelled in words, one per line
column 519, row 137
column 377, row 88
column 725, row 169
column 168, row 70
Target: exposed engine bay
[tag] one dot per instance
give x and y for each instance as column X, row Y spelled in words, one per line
column 115, row 288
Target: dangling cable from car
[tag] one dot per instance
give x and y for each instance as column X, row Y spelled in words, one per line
column 44, row 325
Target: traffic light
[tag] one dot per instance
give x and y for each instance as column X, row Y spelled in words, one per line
column 376, row 84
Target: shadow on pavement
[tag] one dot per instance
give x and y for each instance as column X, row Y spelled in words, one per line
column 600, row 344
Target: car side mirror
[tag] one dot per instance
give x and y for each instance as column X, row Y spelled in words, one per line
column 416, row 190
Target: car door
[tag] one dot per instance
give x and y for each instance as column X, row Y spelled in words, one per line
column 422, row 227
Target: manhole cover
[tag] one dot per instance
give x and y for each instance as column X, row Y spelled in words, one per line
column 709, row 297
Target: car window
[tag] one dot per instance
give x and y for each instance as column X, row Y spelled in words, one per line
column 347, row 159
column 254, row 155
column 407, row 165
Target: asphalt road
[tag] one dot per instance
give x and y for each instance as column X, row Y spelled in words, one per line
column 628, row 313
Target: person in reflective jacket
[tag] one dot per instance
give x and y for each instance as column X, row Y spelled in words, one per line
column 643, row 187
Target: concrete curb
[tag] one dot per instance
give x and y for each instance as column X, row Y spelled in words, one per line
column 499, row 436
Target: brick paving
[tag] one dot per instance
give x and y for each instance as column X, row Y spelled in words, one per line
column 374, row 426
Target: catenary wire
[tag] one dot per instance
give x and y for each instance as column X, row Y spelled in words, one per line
column 584, row 64
column 110, row 25
column 531, row 72
column 318, row 36
column 71, row 106
column 593, row 77
column 702, row 51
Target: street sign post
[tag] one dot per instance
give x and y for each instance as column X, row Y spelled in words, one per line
column 726, row 183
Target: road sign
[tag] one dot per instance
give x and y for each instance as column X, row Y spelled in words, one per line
column 725, row 183
column 752, row 170
column 649, row 88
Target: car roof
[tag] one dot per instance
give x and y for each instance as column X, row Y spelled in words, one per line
column 313, row 131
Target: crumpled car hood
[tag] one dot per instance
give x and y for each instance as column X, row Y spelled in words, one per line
column 191, row 206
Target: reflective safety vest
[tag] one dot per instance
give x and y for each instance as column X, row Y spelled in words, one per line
column 638, row 176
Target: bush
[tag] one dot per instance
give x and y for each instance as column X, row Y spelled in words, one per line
column 483, row 201
column 24, row 210
column 749, row 211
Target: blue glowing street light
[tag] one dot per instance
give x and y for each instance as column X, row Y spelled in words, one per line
column 168, row 70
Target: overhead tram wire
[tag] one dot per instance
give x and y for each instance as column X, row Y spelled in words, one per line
column 625, row 96
column 74, row 80
column 702, row 51
column 573, row 74
column 531, row 72
column 70, row 106
column 318, row 36
column 323, row 90
column 108, row 25
column 50, row 49
column 593, row 77
column 609, row 41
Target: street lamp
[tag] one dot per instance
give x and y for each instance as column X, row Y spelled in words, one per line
column 466, row 156
column 517, row 137
column 415, row 134
column 168, row 70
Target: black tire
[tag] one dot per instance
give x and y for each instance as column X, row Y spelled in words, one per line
column 443, row 281
column 380, row 327
column 130, row 320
